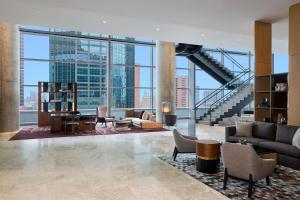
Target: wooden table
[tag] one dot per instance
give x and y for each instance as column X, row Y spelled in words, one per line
column 83, row 122
column 208, row 156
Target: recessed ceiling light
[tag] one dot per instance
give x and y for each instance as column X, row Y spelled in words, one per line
column 104, row 21
column 157, row 29
column 202, row 34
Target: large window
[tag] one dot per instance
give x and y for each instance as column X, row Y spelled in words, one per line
column 281, row 63
column 182, row 87
column 64, row 57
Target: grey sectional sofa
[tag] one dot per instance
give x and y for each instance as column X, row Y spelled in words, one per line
column 277, row 138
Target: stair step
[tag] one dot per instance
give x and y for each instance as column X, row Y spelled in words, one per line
column 204, row 122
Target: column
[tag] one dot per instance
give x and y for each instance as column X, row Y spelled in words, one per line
column 192, row 99
column 166, row 69
column 294, row 66
column 9, row 77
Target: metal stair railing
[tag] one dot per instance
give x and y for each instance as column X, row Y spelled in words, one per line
column 218, row 101
column 230, row 58
column 221, row 89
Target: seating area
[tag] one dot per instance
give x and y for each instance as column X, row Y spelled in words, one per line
column 144, row 100
column 248, row 158
column 272, row 137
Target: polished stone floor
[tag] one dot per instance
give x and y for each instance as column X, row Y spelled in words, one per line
column 109, row 167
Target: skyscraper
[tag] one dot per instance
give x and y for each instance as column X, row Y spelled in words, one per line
column 137, row 103
column 182, row 97
column 21, row 71
column 85, row 62
column 123, row 71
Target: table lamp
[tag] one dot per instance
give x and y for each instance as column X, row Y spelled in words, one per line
column 166, row 108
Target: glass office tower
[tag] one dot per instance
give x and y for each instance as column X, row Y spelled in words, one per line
column 85, row 62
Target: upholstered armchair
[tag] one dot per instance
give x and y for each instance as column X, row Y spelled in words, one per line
column 241, row 161
column 102, row 117
column 183, row 143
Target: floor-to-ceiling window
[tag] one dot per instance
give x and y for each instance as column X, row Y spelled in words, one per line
column 182, row 87
column 70, row 56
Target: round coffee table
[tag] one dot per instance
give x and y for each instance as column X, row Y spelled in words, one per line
column 208, row 156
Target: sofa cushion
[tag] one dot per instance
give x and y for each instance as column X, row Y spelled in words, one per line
column 139, row 121
column 254, row 141
column 264, row 130
column 282, row 148
column 145, row 116
column 243, row 129
column 141, row 114
column 296, row 139
column 285, row 133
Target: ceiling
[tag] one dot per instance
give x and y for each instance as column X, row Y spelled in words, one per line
column 223, row 23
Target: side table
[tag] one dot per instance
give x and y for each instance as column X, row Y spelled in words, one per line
column 208, row 156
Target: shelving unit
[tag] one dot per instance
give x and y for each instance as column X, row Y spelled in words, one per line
column 277, row 100
column 55, row 98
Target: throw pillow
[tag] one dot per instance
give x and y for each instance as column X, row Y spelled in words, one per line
column 264, row 130
column 145, row 116
column 152, row 118
column 296, row 139
column 285, row 133
column 141, row 114
column 244, row 129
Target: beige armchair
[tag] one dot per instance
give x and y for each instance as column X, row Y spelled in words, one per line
column 241, row 161
column 183, row 143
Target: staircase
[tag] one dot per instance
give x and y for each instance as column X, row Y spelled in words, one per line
column 197, row 55
column 235, row 93
column 228, row 105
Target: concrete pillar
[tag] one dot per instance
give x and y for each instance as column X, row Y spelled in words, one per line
column 166, row 71
column 9, row 77
column 294, row 66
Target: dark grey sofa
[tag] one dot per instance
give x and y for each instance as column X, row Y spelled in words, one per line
column 273, row 137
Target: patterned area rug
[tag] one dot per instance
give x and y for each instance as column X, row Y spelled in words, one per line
column 285, row 182
column 44, row 132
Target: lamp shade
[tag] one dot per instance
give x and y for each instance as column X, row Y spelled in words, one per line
column 166, row 107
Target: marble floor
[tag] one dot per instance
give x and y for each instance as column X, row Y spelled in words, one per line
column 108, row 167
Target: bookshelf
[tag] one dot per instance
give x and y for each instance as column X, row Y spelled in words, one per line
column 55, row 98
column 271, row 95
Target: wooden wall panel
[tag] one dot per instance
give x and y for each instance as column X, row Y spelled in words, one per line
column 294, row 30
column 294, row 66
column 263, row 66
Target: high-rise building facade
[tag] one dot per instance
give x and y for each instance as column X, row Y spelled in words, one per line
column 182, row 97
column 85, row 62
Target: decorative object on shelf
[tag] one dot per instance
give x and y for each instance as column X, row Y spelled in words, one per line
column 281, row 119
column 264, row 103
column 281, row 87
